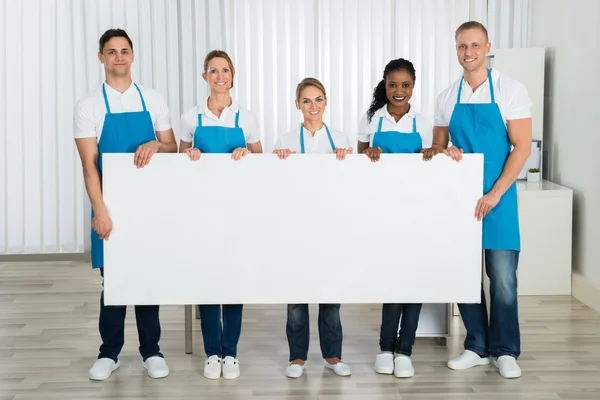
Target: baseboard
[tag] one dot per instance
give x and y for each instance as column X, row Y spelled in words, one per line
column 586, row 291
column 83, row 257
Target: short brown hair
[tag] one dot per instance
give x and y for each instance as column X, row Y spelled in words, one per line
column 309, row 82
column 471, row 25
column 112, row 33
column 219, row 54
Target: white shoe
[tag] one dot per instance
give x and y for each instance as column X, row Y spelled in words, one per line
column 102, row 369
column 231, row 368
column 157, row 367
column 466, row 360
column 212, row 367
column 403, row 367
column 508, row 367
column 384, row 363
column 340, row 368
column 294, row 370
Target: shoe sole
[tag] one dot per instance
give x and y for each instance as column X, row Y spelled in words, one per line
column 405, row 375
column 509, row 376
column 117, row 365
column 212, row 377
column 384, row 371
column 338, row 374
column 231, row 376
column 483, row 361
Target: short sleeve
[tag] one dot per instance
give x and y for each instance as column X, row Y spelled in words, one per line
column 279, row 143
column 163, row 122
column 364, row 135
column 439, row 117
column 519, row 103
column 186, row 126
column 83, row 121
column 250, row 127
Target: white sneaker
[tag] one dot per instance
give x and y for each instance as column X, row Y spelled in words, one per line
column 231, row 368
column 212, row 367
column 384, row 363
column 340, row 368
column 157, row 367
column 102, row 369
column 466, row 360
column 294, row 370
column 403, row 367
column 508, row 367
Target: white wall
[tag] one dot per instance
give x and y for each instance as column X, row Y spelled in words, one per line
column 569, row 30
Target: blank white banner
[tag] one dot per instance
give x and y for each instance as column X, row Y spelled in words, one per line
column 309, row 229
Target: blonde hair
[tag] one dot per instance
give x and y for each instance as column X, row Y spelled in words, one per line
column 219, row 54
column 309, row 82
column 471, row 25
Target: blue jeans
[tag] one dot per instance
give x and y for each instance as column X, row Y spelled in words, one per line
column 298, row 333
column 502, row 336
column 112, row 329
column 221, row 340
column 389, row 339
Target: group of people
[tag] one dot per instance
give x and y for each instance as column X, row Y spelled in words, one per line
column 484, row 112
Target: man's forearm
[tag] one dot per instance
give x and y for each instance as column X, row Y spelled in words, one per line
column 93, row 186
column 168, row 147
column 513, row 167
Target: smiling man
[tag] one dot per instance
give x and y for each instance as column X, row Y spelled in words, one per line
column 120, row 117
column 487, row 112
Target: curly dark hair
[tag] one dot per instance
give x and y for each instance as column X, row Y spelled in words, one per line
column 379, row 97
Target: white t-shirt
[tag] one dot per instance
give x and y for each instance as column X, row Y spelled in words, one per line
column 318, row 144
column 88, row 119
column 247, row 121
column 367, row 130
column 510, row 95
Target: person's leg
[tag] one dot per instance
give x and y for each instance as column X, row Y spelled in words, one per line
column 390, row 320
column 148, row 326
column 475, row 319
column 298, row 331
column 408, row 329
column 505, row 336
column 232, row 328
column 212, row 332
column 331, row 337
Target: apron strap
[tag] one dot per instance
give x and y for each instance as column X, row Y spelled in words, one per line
column 237, row 119
column 330, row 138
column 141, row 97
column 379, row 125
column 200, row 120
column 489, row 72
column 415, row 124
column 105, row 99
column 302, row 138
column 460, row 85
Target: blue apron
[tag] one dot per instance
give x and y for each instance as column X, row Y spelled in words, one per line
column 121, row 133
column 479, row 128
column 302, row 138
column 219, row 139
column 398, row 142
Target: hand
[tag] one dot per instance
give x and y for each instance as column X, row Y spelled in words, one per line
column 145, row 152
column 454, row 153
column 341, row 153
column 283, row 153
column 102, row 224
column 373, row 153
column 239, row 153
column 429, row 153
column 193, row 153
column 485, row 205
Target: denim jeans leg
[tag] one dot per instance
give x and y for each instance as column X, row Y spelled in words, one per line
column 298, row 331
column 408, row 328
column 111, row 324
column 390, row 319
column 232, row 328
column 330, row 331
column 505, row 336
column 212, row 332
column 148, row 326
column 475, row 318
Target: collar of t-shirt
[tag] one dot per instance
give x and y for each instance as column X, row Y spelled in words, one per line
column 383, row 112
column 111, row 92
column 318, row 134
column 203, row 109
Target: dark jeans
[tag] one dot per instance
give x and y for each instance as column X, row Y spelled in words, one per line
column 221, row 339
column 298, row 333
column 112, row 329
column 502, row 336
column 389, row 339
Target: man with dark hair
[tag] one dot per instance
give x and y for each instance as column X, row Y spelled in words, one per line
column 487, row 112
column 120, row 117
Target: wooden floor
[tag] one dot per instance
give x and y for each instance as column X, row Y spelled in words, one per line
column 49, row 340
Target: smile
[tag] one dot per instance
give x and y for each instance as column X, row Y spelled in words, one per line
column 399, row 98
column 313, row 112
